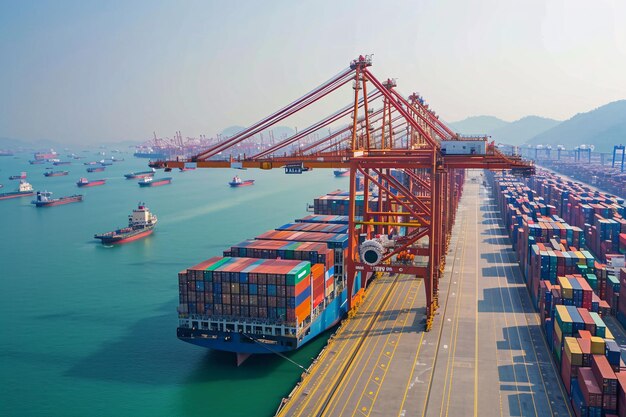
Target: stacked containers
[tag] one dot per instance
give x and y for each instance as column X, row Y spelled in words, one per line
column 564, row 291
column 279, row 290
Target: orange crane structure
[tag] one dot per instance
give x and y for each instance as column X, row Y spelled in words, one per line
column 405, row 226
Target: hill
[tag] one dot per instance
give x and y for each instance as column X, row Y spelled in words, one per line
column 522, row 130
column 477, row 125
column 602, row 127
column 512, row 133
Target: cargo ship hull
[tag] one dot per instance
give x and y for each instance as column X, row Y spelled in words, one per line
column 99, row 169
column 241, row 184
column 91, row 183
column 56, row 174
column 135, row 175
column 6, row 196
column 124, row 238
column 156, row 183
column 240, row 344
column 59, row 201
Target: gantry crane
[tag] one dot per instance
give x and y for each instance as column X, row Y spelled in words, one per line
column 403, row 150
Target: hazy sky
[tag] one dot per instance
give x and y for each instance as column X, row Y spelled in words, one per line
column 77, row 71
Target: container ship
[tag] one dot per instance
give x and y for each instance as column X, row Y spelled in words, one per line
column 270, row 294
column 43, row 199
column 238, row 182
column 23, row 189
column 570, row 240
column 151, row 182
column 55, row 173
column 142, row 174
column 96, row 169
column 84, row 182
column 22, row 176
column 141, row 223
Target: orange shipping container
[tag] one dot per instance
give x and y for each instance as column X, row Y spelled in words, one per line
column 303, row 310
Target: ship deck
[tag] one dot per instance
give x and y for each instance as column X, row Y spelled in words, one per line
column 486, row 354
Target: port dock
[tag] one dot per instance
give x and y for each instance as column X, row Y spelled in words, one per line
column 485, row 355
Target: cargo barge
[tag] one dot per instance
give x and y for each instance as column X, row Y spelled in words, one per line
column 141, row 223
column 43, row 199
column 238, row 182
column 55, row 173
column 142, row 174
column 21, row 176
column 343, row 172
column 572, row 289
column 96, row 169
column 151, row 182
column 84, row 182
column 270, row 294
column 24, row 189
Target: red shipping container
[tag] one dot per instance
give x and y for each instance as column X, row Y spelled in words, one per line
column 566, row 372
column 621, row 394
column 604, row 374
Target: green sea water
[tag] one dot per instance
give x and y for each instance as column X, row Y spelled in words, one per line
column 88, row 330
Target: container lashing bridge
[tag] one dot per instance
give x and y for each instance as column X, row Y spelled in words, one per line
column 411, row 165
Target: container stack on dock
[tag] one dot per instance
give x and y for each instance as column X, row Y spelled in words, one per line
column 601, row 176
column 557, row 227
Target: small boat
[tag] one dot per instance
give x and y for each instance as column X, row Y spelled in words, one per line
column 114, row 159
column 23, row 189
column 37, row 161
column 22, row 176
column 141, row 223
column 238, row 182
column 95, row 169
column 84, row 182
column 151, row 182
column 61, row 163
column 142, row 174
column 55, row 173
column 342, row 172
column 43, row 199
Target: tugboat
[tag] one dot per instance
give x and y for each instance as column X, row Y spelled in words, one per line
column 43, row 199
column 141, row 223
column 142, row 174
column 55, row 173
column 151, row 182
column 23, row 189
column 95, row 169
column 22, row 176
column 84, row 182
column 342, row 172
column 237, row 182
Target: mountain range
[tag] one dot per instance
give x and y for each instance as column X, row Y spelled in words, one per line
column 603, row 127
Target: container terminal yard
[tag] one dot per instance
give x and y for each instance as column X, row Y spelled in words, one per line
column 469, row 281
